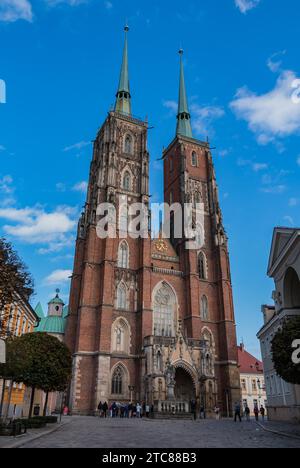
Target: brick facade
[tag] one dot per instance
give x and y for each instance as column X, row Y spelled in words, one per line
column 203, row 349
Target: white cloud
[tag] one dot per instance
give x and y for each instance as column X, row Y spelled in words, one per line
column 294, row 202
column 14, row 10
column 270, row 115
column 224, row 153
column 274, row 184
column 290, row 220
column 69, row 2
column 202, row 117
column 274, row 63
column 246, row 5
column 77, row 146
column 6, row 184
column 58, row 276
column 61, row 187
column 36, row 226
column 81, row 187
column 108, row 5
column 171, row 105
column 256, row 167
column 275, row 189
column 260, row 167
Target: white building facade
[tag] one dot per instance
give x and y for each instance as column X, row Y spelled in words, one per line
column 284, row 267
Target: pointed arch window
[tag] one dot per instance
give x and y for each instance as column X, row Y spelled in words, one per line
column 121, row 336
column 164, row 309
column 117, row 383
column 123, row 256
column 128, row 144
column 121, row 297
column 194, row 159
column 126, row 181
column 202, row 266
column 204, row 308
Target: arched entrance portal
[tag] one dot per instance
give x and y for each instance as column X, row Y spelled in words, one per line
column 184, row 387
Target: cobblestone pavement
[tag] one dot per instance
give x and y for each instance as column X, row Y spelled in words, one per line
column 91, row 432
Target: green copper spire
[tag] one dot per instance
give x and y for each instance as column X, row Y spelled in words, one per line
column 123, row 102
column 184, row 117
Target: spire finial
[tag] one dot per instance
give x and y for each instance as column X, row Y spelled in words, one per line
column 183, row 117
column 123, row 102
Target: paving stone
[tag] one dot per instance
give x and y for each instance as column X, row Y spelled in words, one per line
column 92, row 432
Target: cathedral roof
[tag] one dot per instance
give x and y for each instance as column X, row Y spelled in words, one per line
column 53, row 324
column 184, row 117
column 39, row 310
column 123, row 101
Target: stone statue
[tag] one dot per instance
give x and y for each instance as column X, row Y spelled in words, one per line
column 170, row 381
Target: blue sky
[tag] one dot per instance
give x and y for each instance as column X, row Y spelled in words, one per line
column 60, row 61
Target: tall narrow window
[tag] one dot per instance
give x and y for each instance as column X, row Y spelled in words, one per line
column 204, row 308
column 121, row 297
column 128, row 146
column 164, row 311
column 121, row 336
column 117, row 381
column 194, row 159
column 127, row 181
column 123, row 256
column 202, row 266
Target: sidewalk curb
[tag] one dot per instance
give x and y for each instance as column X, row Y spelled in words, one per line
column 283, row 434
column 25, row 441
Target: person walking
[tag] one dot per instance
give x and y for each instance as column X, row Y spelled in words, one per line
column 256, row 413
column 193, row 409
column 237, row 412
column 217, row 413
column 105, row 409
column 147, row 410
column 247, row 413
column 263, row 413
column 202, row 412
column 138, row 411
column 100, row 409
column 114, row 410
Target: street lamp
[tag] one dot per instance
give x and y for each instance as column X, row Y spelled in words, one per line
column 259, row 392
column 131, row 388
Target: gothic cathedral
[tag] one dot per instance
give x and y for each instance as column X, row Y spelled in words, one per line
column 149, row 320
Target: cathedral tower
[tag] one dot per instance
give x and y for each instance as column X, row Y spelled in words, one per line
column 150, row 320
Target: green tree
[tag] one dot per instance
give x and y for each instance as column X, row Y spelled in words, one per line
column 39, row 361
column 282, row 351
column 15, row 280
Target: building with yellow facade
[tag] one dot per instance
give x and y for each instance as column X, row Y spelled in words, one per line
column 18, row 318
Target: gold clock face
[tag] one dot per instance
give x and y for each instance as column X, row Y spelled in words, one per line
column 161, row 246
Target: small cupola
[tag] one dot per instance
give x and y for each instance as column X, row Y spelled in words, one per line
column 56, row 306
